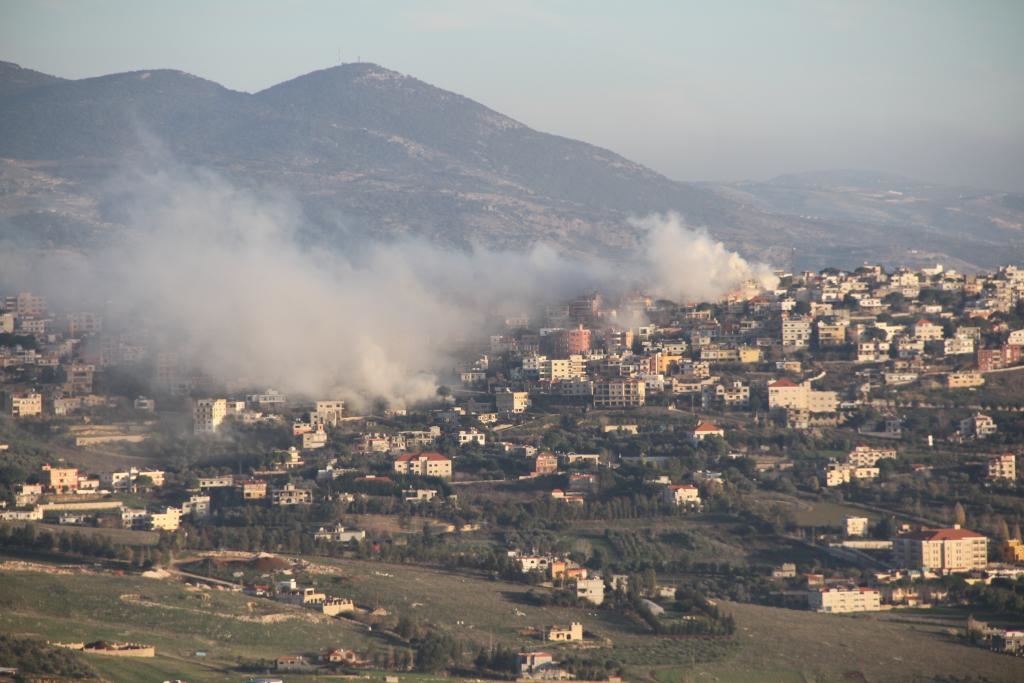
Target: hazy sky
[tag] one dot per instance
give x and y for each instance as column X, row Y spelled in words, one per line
column 696, row 90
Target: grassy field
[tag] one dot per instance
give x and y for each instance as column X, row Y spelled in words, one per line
column 178, row 620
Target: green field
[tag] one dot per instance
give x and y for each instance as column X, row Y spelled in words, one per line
column 770, row 645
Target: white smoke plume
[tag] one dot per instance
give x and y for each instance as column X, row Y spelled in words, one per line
column 684, row 264
column 237, row 291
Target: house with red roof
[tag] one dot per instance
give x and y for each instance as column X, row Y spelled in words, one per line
column 944, row 551
column 705, row 430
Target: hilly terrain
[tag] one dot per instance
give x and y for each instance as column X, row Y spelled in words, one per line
column 367, row 151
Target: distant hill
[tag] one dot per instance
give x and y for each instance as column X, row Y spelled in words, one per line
column 382, row 153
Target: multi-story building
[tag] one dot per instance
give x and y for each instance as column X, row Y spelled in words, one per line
column 864, row 455
column 964, row 380
column 619, row 393
column 28, row 404
column 328, row 413
column 796, row 333
column 291, row 495
column 831, row 333
column 844, row 600
column 786, row 394
column 855, row 526
column 60, row 479
column 254, row 489
column 1002, row 467
column 686, row 495
column 941, row 550
column 996, row 359
column 512, row 402
column 571, row 342
column 925, row 330
column 978, row 426
column 426, row 464
column 208, row 414
column 591, row 590
column 837, row 474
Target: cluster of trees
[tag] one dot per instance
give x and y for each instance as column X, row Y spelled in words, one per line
column 33, row 657
column 98, row 546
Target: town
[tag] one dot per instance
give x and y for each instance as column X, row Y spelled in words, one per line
column 845, row 442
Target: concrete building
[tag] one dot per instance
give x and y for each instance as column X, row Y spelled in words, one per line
column 512, row 402
column 978, row 426
column 28, row 404
column 941, row 550
column 787, row 394
column 706, row 430
column 964, row 380
column 571, row 633
column 1002, row 467
column 208, row 414
column 855, row 526
column 426, row 464
column 292, row 495
column 844, row 600
column 681, row 495
column 619, row 393
column 591, row 590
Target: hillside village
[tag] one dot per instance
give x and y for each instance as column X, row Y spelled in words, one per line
column 719, row 430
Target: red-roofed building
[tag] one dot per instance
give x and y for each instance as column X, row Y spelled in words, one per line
column 705, row 430
column 943, row 551
column 426, row 464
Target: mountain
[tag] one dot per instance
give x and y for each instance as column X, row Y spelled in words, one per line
column 369, row 150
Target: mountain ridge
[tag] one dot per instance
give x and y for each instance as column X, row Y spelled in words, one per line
column 392, row 155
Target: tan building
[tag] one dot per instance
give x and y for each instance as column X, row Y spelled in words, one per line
column 855, row 526
column 1012, row 550
column 254, row 489
column 328, row 413
column 292, row 495
column 208, row 414
column 681, row 494
column 964, row 380
column 512, row 402
column 941, row 550
column 426, row 464
column 844, row 600
column 591, row 590
column 837, row 474
column 785, row 393
column 832, row 333
column 978, row 426
column 863, row 455
column 25, row 405
column 168, row 520
column 1003, row 467
column 60, row 479
column 619, row 393
column 573, row 632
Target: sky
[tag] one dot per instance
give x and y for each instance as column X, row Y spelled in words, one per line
column 724, row 90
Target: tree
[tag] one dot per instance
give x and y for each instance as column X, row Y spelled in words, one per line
column 959, row 515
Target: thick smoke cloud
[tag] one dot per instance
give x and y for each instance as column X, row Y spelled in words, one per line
column 689, row 265
column 239, row 292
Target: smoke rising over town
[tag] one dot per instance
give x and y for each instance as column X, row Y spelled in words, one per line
column 244, row 296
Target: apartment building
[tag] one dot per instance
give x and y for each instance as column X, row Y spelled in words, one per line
column 1002, row 467
column 844, row 600
column 941, row 550
column 512, row 402
column 619, row 393
column 28, row 404
column 427, row 464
